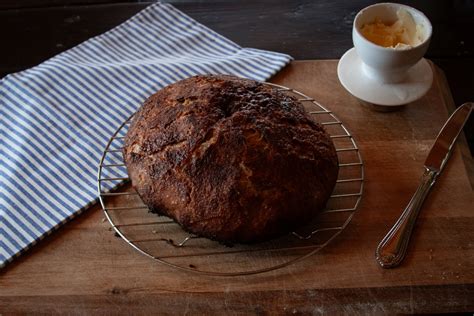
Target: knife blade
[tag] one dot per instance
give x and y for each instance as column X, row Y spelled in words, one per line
column 392, row 249
column 439, row 153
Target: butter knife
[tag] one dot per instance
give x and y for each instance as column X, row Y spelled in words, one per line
column 393, row 247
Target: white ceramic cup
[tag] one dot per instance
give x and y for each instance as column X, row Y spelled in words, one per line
column 385, row 64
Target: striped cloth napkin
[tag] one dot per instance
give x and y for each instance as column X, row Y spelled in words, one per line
column 56, row 118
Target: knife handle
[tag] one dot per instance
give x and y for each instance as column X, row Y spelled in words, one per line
column 393, row 247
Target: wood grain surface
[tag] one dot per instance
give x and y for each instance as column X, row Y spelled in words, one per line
column 306, row 29
column 35, row 30
column 85, row 269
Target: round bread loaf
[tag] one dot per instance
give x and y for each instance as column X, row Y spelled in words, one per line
column 230, row 159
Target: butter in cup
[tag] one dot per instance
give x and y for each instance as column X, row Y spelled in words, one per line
column 383, row 22
column 404, row 33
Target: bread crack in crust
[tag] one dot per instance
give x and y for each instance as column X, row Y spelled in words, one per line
column 230, row 159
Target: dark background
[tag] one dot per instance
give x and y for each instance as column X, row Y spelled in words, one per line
column 34, row 30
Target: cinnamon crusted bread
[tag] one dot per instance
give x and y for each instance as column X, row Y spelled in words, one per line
column 230, row 159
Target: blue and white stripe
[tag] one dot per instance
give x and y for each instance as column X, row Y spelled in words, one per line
column 57, row 117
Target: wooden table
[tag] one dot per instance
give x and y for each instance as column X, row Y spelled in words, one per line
column 34, row 30
column 84, row 269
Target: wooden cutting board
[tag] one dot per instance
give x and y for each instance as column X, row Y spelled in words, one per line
column 83, row 268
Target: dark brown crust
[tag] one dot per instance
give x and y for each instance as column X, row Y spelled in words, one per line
column 230, row 159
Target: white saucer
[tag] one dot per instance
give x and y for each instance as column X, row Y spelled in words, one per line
column 418, row 82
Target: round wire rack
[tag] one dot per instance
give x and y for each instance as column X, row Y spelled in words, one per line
column 163, row 240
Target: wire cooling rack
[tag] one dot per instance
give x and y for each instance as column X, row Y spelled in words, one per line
column 161, row 239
